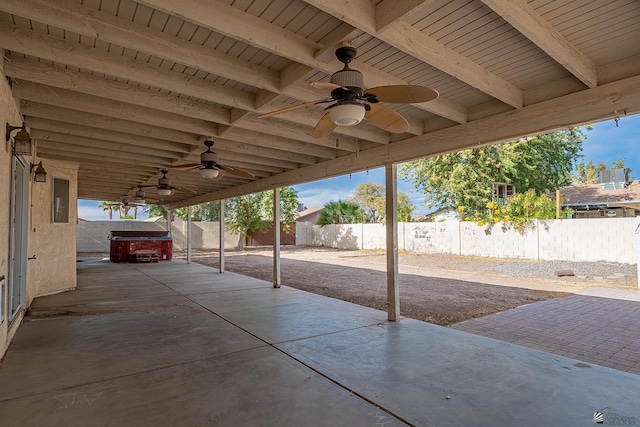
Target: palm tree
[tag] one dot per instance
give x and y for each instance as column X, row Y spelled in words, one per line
column 108, row 206
column 340, row 212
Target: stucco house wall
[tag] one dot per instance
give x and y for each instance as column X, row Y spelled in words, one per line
column 54, row 268
column 53, row 244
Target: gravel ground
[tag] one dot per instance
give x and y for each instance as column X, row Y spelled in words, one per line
column 624, row 275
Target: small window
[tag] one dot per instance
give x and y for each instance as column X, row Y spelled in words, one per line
column 60, row 200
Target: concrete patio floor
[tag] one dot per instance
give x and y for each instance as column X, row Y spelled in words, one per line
column 179, row 344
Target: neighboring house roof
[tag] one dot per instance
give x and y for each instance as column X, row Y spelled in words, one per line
column 309, row 214
column 608, row 194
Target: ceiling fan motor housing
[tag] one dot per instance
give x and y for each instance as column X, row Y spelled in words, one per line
column 208, row 157
column 351, row 79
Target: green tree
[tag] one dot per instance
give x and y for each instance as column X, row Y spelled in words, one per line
column 587, row 173
column 405, row 208
column 340, row 212
column 288, row 206
column 370, row 198
column 243, row 214
column 108, row 206
column 155, row 210
column 466, row 178
column 252, row 212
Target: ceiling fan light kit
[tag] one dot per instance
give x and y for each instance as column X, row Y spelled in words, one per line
column 347, row 114
column 209, row 173
column 164, row 191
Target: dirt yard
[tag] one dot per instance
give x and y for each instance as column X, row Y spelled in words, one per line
column 441, row 289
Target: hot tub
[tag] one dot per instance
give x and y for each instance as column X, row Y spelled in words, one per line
column 140, row 246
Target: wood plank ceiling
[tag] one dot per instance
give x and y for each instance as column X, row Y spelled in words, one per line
column 125, row 88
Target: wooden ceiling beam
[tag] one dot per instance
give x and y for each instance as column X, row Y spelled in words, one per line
column 63, row 78
column 34, row 109
column 87, row 57
column 362, row 14
column 97, row 105
column 257, row 150
column 276, row 127
column 232, row 22
column 344, row 33
column 525, row 19
column 103, row 26
column 279, row 143
column 388, row 12
column 69, row 153
column 119, row 151
column 108, row 135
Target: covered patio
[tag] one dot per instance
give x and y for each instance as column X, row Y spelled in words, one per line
column 184, row 102
column 180, row 344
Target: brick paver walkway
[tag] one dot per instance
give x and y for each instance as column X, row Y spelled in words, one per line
column 604, row 331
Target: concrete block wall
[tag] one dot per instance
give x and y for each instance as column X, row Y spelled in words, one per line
column 430, row 237
column 304, row 234
column 92, row 236
column 499, row 240
column 594, row 239
column 342, row 236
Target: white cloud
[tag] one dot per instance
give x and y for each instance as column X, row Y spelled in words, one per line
column 92, row 213
column 319, row 196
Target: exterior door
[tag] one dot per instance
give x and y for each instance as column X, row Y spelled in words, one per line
column 18, row 238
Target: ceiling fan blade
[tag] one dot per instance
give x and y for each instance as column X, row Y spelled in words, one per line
column 237, row 172
column 403, row 94
column 324, row 127
column 294, row 108
column 185, row 190
column 187, row 166
column 324, row 85
column 386, row 119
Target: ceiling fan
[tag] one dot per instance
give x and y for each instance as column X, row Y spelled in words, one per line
column 350, row 102
column 123, row 202
column 164, row 186
column 140, row 197
column 210, row 168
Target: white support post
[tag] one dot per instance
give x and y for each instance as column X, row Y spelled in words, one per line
column 276, row 237
column 393, row 293
column 222, row 227
column 188, row 234
column 169, row 211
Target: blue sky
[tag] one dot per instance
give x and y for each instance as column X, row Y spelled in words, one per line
column 605, row 143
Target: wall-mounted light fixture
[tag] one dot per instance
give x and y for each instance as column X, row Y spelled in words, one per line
column 22, row 140
column 40, row 174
